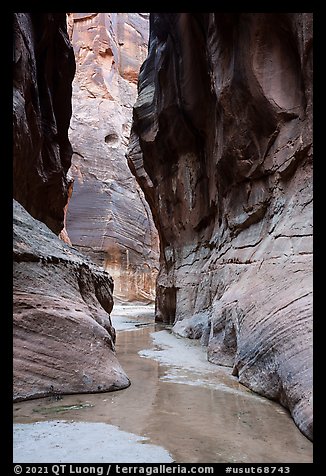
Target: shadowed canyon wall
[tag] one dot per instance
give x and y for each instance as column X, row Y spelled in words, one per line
column 63, row 338
column 221, row 144
column 43, row 69
column 108, row 217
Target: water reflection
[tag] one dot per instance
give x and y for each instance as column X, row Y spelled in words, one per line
column 195, row 424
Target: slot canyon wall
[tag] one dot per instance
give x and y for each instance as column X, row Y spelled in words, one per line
column 108, row 217
column 43, row 68
column 221, row 144
column 63, row 341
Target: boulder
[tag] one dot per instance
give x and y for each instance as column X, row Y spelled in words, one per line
column 63, row 340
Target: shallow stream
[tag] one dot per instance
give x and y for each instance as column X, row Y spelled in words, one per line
column 178, row 408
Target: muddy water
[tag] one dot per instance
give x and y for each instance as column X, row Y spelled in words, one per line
column 190, row 409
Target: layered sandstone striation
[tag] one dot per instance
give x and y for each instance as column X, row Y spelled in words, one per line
column 108, row 217
column 63, row 337
column 222, row 147
column 43, row 69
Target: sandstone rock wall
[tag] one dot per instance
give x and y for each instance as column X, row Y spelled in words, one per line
column 63, row 337
column 43, row 69
column 108, row 217
column 222, row 147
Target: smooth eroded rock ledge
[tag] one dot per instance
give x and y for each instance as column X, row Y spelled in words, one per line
column 63, row 337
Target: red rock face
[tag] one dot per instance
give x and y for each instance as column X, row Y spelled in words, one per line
column 108, row 217
column 43, row 70
column 63, row 338
column 222, row 147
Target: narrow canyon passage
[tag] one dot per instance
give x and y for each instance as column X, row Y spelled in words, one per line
column 187, row 409
column 163, row 237
column 107, row 217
